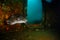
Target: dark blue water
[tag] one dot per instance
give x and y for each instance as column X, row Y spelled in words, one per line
column 34, row 10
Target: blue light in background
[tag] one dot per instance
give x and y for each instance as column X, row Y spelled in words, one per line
column 34, row 10
column 49, row 1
